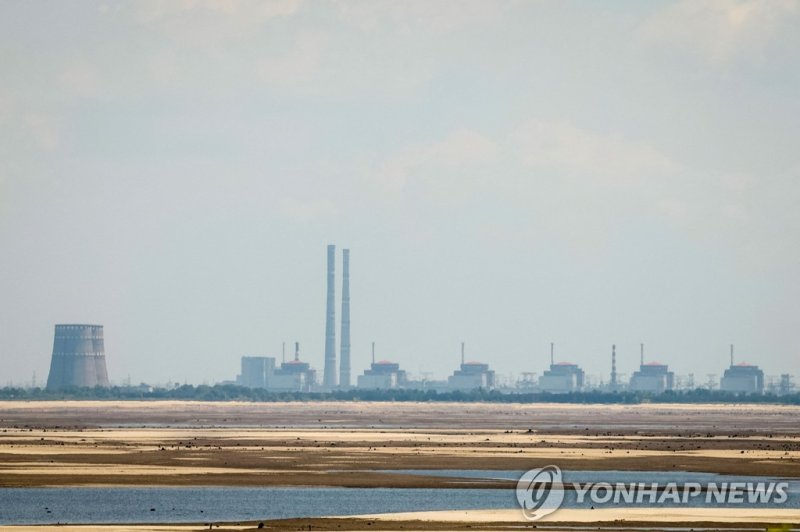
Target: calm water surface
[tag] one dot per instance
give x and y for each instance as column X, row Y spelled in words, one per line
column 213, row 504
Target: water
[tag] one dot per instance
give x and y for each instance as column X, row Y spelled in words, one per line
column 207, row 504
column 630, row 477
column 215, row 504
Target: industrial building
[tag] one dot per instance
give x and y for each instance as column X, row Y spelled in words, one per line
column 256, row 371
column 382, row 375
column 293, row 376
column 471, row 376
column 79, row 357
column 742, row 378
column 652, row 377
column 562, row 377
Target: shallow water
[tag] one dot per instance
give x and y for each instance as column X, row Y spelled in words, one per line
column 214, row 504
column 207, row 504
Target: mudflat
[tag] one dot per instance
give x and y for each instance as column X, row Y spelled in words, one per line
column 674, row 419
column 356, row 444
column 353, row 444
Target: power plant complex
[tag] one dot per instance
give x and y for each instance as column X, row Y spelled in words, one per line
column 561, row 377
column 79, row 360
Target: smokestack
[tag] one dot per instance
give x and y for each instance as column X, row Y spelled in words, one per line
column 283, row 352
column 462, row 353
column 373, row 352
column 79, row 357
column 641, row 354
column 329, row 376
column 613, row 367
column 344, row 369
column 731, row 355
column 551, row 354
column 297, row 351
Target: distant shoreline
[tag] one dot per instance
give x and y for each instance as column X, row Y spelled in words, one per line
column 227, row 393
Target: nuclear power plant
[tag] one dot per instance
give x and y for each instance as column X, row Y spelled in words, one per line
column 79, row 357
column 78, row 360
column 559, row 378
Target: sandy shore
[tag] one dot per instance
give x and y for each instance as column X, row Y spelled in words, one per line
column 355, row 458
column 119, row 443
column 353, row 444
column 697, row 420
column 607, row 519
column 606, row 515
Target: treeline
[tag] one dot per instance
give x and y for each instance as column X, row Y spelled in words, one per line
column 231, row 392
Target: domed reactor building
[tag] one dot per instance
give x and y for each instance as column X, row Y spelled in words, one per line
column 79, row 357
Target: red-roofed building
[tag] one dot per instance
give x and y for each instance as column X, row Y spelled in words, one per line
column 742, row 378
column 382, row 375
column 293, row 376
column 652, row 377
column 471, row 376
column 562, row 377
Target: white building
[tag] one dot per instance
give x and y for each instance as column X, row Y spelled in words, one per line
column 652, row 377
column 382, row 375
column 471, row 376
column 255, row 371
column 742, row 378
column 563, row 377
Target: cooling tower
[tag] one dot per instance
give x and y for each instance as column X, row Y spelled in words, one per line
column 329, row 377
column 79, row 357
column 344, row 351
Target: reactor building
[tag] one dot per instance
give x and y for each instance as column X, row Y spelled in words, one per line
column 742, row 378
column 263, row 372
column 382, row 375
column 293, row 376
column 562, row 377
column 471, row 376
column 653, row 377
column 79, row 357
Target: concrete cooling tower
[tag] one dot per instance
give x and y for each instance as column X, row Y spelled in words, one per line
column 79, row 357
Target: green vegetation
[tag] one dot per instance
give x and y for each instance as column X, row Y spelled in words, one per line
column 230, row 392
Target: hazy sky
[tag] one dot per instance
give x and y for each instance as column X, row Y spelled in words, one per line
column 505, row 173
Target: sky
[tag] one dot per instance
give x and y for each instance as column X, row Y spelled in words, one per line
column 505, row 173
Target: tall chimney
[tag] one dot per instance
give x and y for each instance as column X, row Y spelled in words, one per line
column 329, row 376
column 283, row 352
column 551, row 354
column 297, row 351
column 344, row 369
column 373, row 352
column 731, row 355
column 641, row 354
column 462, row 353
column 613, row 368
